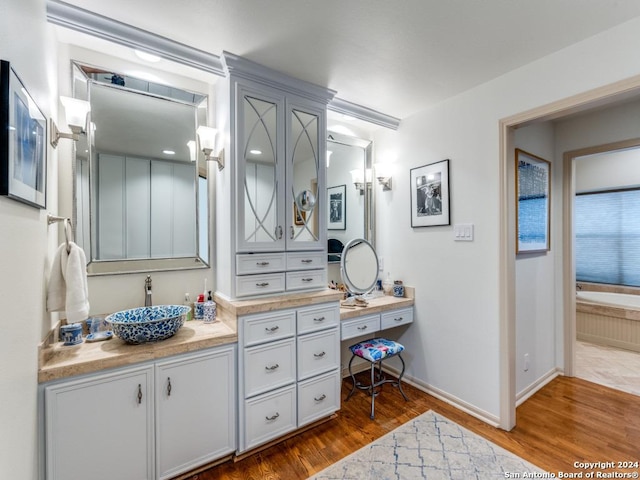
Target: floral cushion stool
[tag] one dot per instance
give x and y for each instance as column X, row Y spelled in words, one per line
column 375, row 350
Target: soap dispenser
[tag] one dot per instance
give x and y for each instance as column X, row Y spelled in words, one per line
column 387, row 285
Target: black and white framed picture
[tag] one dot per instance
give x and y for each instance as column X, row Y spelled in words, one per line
column 337, row 208
column 430, row 195
column 23, row 138
column 533, row 183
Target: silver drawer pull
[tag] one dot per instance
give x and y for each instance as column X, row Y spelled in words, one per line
column 319, row 355
column 263, row 284
column 320, row 398
column 278, row 232
column 398, row 319
column 321, row 319
column 262, row 264
column 273, row 417
column 272, row 367
column 306, row 260
column 272, row 329
column 364, row 327
column 307, row 279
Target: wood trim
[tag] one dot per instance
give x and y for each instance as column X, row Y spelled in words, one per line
column 589, row 99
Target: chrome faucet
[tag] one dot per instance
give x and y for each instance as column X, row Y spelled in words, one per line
column 147, row 290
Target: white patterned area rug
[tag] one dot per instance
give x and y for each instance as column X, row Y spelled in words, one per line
column 430, row 447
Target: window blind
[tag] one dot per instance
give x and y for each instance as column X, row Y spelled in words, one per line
column 608, row 237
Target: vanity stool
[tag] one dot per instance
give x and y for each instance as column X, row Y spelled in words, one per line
column 375, row 350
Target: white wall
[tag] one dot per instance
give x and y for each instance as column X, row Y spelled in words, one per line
column 613, row 124
column 535, row 285
column 26, row 246
column 453, row 345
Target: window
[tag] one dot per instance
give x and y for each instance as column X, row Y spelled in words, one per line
column 608, row 237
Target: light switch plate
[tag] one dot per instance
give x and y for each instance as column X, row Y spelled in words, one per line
column 463, row 232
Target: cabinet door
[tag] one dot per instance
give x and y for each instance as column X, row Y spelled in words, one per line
column 100, row 427
column 195, row 410
column 306, row 168
column 260, row 170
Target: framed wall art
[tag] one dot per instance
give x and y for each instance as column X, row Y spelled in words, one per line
column 533, row 183
column 337, row 208
column 430, row 195
column 299, row 216
column 23, row 146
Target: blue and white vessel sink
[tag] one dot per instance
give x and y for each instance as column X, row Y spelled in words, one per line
column 148, row 324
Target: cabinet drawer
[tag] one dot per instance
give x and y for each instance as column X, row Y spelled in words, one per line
column 360, row 326
column 259, row 284
column 269, row 366
column 317, row 318
column 318, row 353
column 260, row 263
column 307, row 280
column 268, row 327
column 318, row 397
column 269, row 416
column 396, row 317
column 305, row 260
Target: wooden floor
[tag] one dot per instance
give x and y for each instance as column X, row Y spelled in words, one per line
column 569, row 420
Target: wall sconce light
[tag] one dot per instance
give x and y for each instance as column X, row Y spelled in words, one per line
column 76, row 112
column 383, row 174
column 357, row 176
column 207, row 138
column 191, row 145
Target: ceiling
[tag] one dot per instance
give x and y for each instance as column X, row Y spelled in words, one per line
column 397, row 57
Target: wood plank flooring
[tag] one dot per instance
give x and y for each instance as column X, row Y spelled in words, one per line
column 569, row 420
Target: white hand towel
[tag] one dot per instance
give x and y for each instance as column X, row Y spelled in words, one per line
column 68, row 289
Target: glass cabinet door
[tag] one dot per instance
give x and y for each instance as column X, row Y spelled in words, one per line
column 260, row 173
column 305, row 178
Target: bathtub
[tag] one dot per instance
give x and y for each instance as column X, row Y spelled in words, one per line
column 624, row 300
column 606, row 318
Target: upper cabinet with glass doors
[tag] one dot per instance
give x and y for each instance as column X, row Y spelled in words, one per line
column 274, row 182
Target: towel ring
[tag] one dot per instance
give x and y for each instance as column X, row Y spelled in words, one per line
column 67, row 234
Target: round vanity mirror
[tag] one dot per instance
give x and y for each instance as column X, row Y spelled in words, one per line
column 359, row 266
column 306, row 200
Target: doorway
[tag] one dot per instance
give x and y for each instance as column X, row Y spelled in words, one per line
column 604, row 183
column 579, row 103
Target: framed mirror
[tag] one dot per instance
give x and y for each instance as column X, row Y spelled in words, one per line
column 140, row 190
column 351, row 208
column 359, row 266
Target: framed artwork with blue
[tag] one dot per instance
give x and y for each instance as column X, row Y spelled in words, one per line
column 533, row 185
column 23, row 145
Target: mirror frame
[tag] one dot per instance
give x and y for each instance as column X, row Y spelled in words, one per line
column 126, row 266
column 351, row 288
column 370, row 195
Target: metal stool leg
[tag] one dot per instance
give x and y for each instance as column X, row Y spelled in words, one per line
column 400, row 378
column 373, row 393
column 353, row 379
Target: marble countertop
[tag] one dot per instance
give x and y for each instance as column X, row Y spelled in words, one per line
column 58, row 361
column 379, row 305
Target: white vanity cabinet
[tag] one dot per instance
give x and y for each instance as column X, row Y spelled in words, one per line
column 152, row 421
column 195, row 410
column 101, row 427
column 289, row 371
column 273, row 184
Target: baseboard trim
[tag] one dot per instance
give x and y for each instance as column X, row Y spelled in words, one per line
column 524, row 395
column 452, row 400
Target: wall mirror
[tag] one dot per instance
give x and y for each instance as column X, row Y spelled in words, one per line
column 359, row 266
column 351, row 209
column 140, row 189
